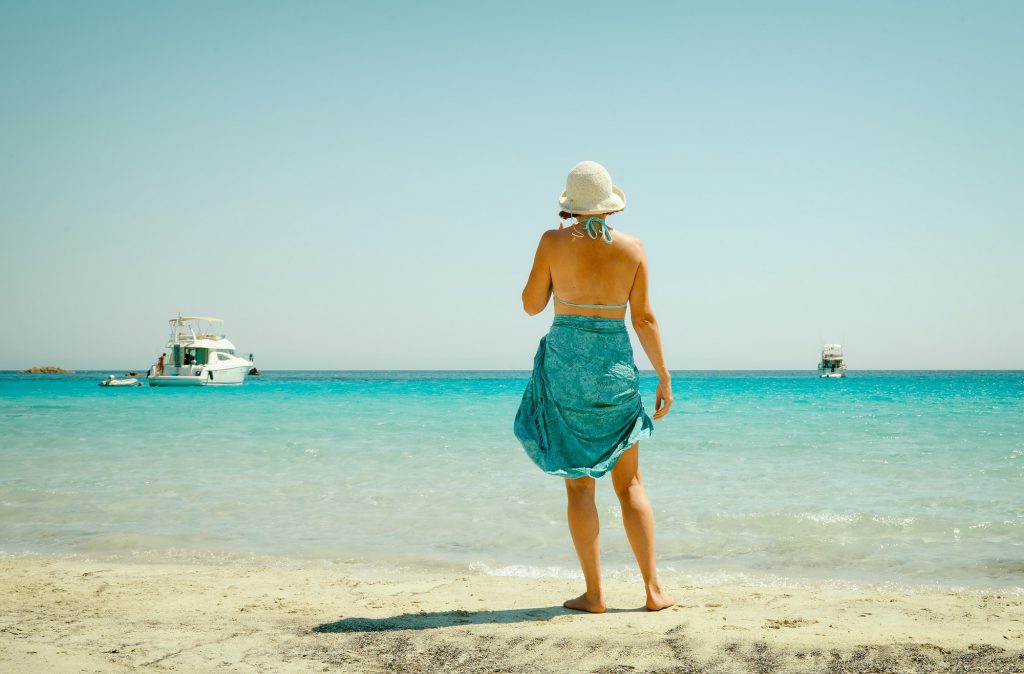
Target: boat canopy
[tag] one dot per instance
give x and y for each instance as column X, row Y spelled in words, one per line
column 195, row 329
column 209, row 319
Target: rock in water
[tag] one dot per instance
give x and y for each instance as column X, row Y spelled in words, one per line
column 46, row 369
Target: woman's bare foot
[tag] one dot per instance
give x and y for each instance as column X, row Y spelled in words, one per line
column 585, row 603
column 657, row 599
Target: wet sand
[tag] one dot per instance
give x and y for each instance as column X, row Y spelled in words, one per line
column 74, row 615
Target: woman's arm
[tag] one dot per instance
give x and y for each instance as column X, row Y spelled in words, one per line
column 646, row 326
column 538, row 287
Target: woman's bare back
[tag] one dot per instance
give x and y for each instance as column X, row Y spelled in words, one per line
column 592, row 271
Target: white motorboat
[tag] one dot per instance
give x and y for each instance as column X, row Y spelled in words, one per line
column 111, row 380
column 832, row 364
column 199, row 355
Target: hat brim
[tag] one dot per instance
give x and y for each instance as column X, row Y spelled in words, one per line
column 616, row 201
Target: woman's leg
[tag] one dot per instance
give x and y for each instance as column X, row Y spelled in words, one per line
column 586, row 536
column 638, row 519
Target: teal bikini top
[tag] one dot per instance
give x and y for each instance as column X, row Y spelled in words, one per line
column 606, row 237
column 589, row 306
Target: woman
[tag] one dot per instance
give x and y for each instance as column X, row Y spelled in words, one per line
column 581, row 415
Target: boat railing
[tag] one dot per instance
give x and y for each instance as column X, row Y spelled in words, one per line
column 189, row 337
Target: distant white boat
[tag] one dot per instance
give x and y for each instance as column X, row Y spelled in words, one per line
column 832, row 364
column 199, row 355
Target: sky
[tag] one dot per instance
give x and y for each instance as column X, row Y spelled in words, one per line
column 363, row 185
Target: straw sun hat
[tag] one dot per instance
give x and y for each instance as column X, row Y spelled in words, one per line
column 589, row 191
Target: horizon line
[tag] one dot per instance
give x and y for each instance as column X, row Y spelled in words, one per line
column 642, row 371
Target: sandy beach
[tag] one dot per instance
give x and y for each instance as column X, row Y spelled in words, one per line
column 74, row 615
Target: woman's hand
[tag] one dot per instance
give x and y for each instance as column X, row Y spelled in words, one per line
column 662, row 398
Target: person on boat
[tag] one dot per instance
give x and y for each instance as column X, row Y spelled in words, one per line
column 160, row 365
column 581, row 415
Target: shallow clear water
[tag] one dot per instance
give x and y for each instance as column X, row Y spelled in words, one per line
column 909, row 477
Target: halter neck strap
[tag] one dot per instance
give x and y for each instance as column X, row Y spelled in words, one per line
column 592, row 231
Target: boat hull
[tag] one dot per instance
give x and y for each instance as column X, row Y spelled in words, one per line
column 176, row 380
column 226, row 376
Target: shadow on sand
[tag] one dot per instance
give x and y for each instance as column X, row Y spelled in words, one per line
column 435, row 619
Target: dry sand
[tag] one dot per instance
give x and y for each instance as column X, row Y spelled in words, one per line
column 72, row 615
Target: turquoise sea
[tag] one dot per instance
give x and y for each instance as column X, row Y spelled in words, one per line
column 908, row 478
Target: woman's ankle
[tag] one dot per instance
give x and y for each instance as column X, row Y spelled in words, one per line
column 587, row 602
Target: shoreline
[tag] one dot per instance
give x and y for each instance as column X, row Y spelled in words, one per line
column 691, row 576
column 78, row 614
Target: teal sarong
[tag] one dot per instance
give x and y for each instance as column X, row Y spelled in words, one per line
column 581, row 409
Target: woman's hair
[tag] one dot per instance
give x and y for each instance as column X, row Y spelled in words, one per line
column 565, row 215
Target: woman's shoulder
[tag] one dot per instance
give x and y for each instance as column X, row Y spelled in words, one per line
column 555, row 234
column 629, row 241
column 626, row 237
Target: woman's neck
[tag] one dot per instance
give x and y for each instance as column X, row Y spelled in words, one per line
column 580, row 219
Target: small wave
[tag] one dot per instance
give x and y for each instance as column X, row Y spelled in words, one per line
column 828, row 518
column 525, row 571
column 894, row 520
